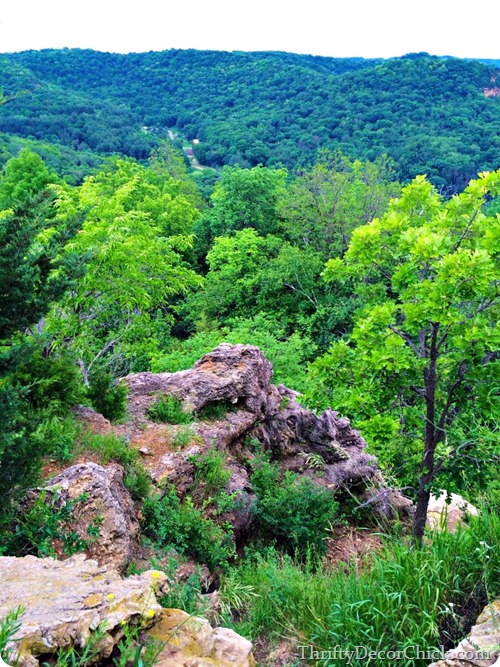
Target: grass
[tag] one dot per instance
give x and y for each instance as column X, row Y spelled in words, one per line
column 214, row 410
column 407, row 597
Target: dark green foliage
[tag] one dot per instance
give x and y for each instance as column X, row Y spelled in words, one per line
column 185, row 595
column 49, row 379
column 294, row 511
column 211, row 474
column 28, row 247
column 428, row 113
column 169, row 409
column 214, row 410
column 168, row 522
column 20, row 455
column 36, row 528
column 108, row 396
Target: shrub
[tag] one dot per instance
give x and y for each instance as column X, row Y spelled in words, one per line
column 48, row 379
column 35, row 529
column 170, row 523
column 169, row 409
column 214, row 410
column 292, row 510
column 56, row 435
column 210, row 472
column 20, row 454
column 183, row 437
column 108, row 396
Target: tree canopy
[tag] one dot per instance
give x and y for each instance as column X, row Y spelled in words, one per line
column 425, row 343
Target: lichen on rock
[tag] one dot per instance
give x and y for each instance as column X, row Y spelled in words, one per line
column 64, row 602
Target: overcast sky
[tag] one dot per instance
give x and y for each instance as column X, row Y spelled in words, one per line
column 369, row 28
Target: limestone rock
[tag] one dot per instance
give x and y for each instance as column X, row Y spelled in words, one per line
column 240, row 376
column 65, row 601
column 482, row 647
column 192, row 642
column 449, row 515
column 105, row 501
column 228, row 373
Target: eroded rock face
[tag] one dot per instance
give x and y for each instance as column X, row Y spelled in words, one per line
column 193, row 642
column 228, row 373
column 103, row 502
column 240, row 376
column 482, row 647
column 65, row 601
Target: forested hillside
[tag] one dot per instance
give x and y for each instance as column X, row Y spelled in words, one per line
column 332, row 260
column 429, row 114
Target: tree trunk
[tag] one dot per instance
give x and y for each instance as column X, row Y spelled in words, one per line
column 430, row 441
column 420, row 518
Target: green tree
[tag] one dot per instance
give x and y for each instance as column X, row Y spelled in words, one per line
column 242, row 199
column 425, row 344
column 132, row 242
column 324, row 204
column 29, row 242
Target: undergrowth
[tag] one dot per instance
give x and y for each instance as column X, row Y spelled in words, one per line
column 169, row 409
column 404, row 597
column 168, row 522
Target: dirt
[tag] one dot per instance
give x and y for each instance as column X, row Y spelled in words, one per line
column 352, row 544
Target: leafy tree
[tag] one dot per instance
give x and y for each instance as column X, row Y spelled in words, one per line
column 29, row 243
column 324, row 204
column 132, row 242
column 242, row 199
column 425, row 345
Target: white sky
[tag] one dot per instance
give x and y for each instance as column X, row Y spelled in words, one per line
column 369, row 28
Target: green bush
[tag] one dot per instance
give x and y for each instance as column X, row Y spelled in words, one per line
column 35, row 528
column 20, row 454
column 210, row 472
column 183, row 437
column 56, row 435
column 293, row 511
column 171, row 523
column 214, row 410
column 169, row 409
column 49, row 379
column 183, row 594
column 108, row 396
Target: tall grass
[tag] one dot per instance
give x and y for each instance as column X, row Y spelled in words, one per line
column 404, row 597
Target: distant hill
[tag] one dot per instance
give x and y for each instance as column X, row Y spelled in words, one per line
column 430, row 114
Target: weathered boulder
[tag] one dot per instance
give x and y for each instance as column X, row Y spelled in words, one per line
column 444, row 514
column 102, row 501
column 240, row 376
column 65, row 601
column 482, row 647
column 228, row 373
column 191, row 641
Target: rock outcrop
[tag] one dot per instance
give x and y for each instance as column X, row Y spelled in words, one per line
column 192, row 641
column 482, row 647
column 444, row 514
column 100, row 500
column 65, row 601
column 239, row 377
